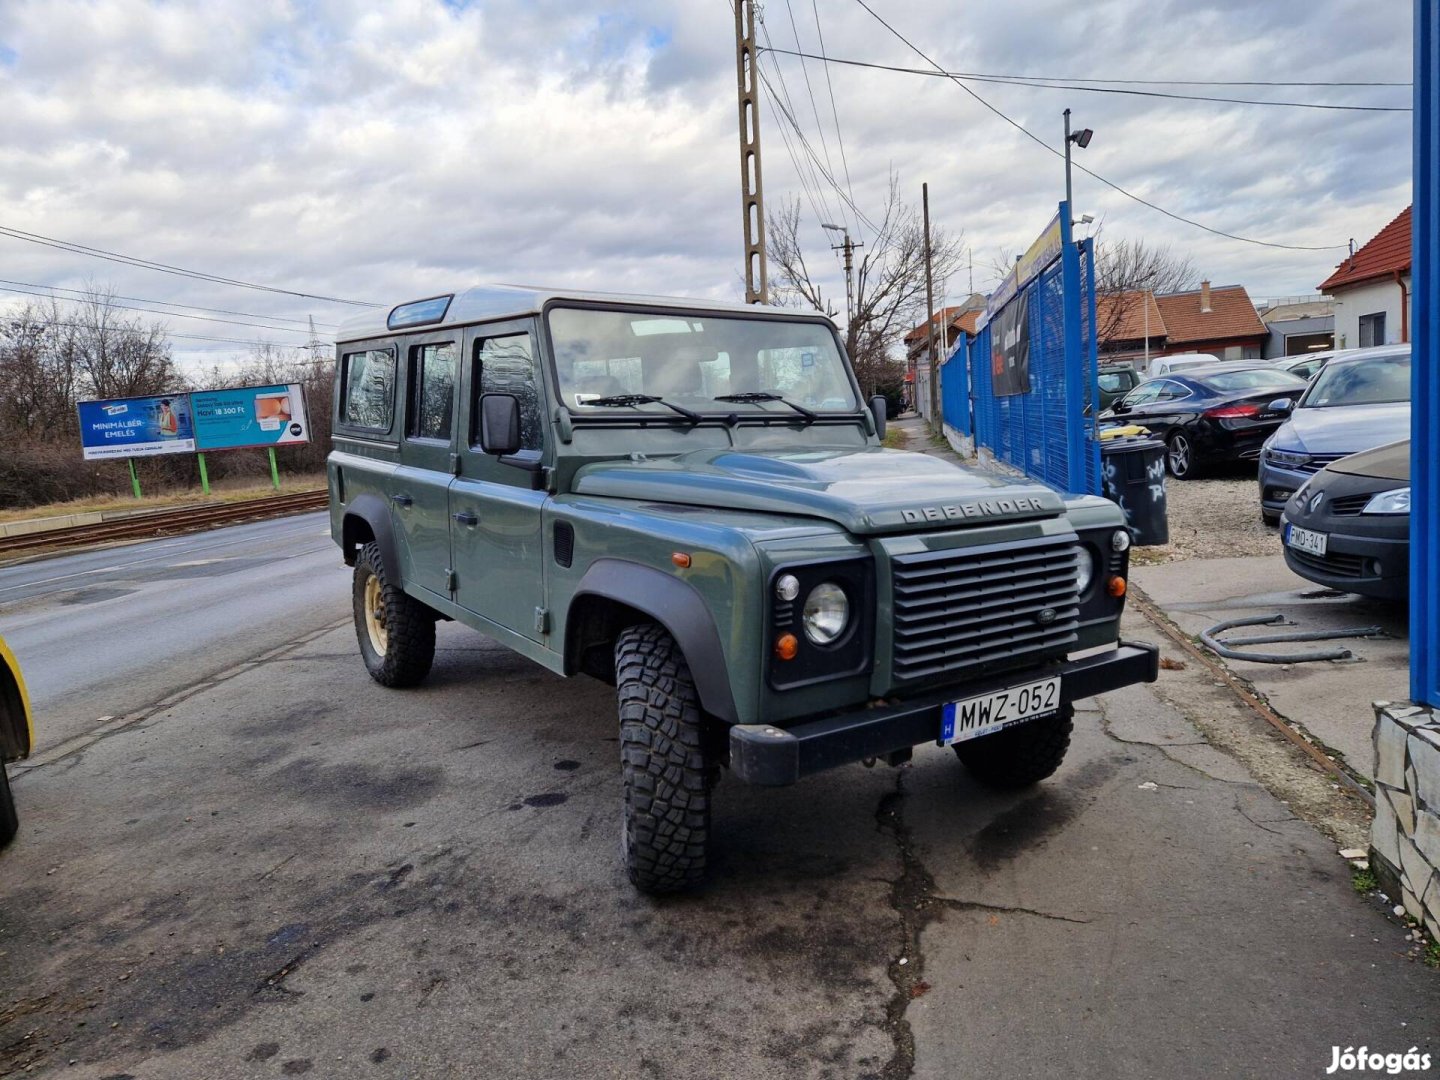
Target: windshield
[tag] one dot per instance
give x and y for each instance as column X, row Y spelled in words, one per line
column 1256, row 379
column 1378, row 380
column 689, row 360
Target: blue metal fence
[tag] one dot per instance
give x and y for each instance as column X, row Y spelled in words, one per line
column 1046, row 433
column 955, row 386
column 1425, row 404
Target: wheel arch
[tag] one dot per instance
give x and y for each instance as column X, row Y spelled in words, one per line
column 16, row 733
column 367, row 518
column 615, row 594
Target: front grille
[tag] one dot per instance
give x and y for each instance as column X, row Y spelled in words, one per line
column 1335, row 563
column 970, row 608
column 1349, row 505
column 1319, row 461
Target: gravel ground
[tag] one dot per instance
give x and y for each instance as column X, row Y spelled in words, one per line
column 1211, row 519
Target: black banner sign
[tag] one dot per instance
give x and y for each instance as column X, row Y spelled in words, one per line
column 1010, row 347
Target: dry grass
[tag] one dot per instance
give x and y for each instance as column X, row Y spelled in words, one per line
column 221, row 491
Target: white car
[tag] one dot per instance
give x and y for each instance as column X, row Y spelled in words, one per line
column 1169, row 365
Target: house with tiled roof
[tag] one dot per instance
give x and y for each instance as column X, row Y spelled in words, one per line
column 1128, row 325
column 1221, row 320
column 1372, row 290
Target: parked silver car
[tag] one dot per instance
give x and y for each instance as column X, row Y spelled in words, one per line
column 1359, row 401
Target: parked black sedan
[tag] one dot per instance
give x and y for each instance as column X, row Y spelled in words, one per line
column 1348, row 527
column 1219, row 413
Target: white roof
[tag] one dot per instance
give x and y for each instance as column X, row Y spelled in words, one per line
column 487, row 302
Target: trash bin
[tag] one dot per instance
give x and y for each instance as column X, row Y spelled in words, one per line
column 1132, row 471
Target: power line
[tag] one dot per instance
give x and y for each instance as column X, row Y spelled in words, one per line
column 1089, row 172
column 835, row 112
column 186, row 337
column 164, row 303
column 816, row 191
column 810, row 90
column 1036, row 84
column 7, row 288
column 166, row 268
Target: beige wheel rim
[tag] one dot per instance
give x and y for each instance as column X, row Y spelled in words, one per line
column 375, row 615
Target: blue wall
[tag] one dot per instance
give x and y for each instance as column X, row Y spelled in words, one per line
column 1425, row 407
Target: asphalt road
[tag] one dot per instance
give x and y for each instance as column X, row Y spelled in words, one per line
column 105, row 632
column 295, row 871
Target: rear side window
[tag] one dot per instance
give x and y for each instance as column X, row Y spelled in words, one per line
column 1258, row 379
column 432, row 393
column 367, row 394
column 506, row 365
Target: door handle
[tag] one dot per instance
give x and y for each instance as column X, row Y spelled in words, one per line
column 465, row 517
column 401, row 500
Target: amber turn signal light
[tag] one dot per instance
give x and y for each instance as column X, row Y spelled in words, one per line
column 1116, row 587
column 680, row 559
column 786, row 646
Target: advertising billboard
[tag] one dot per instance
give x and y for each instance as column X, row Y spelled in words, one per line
column 249, row 416
column 137, row 427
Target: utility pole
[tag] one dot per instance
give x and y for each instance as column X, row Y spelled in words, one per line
column 752, row 204
column 935, row 421
column 848, row 246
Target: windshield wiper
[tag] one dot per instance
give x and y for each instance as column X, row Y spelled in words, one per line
column 643, row 399
column 760, row 395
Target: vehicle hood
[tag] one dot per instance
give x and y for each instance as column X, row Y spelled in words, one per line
column 1384, row 462
column 1344, row 429
column 866, row 491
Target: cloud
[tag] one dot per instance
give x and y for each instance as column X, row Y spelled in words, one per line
column 387, row 152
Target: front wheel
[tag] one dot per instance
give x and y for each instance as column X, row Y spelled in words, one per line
column 665, row 763
column 1021, row 755
column 1180, row 457
column 396, row 631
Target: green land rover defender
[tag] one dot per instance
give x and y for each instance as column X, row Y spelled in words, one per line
column 690, row 501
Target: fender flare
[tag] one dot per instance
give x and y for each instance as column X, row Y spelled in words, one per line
column 678, row 607
column 374, row 512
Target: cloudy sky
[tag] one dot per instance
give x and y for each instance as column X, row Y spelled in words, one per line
column 381, row 152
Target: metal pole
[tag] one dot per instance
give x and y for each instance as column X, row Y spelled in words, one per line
column 134, row 477
column 204, row 476
column 274, row 469
column 752, row 205
column 1068, row 200
column 935, row 421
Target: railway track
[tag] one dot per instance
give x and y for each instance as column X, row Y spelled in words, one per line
column 172, row 522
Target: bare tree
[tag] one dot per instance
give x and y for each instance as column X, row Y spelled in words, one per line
column 38, row 384
column 116, row 354
column 889, row 281
column 1125, row 270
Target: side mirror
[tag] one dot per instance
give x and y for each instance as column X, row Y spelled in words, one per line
column 1120, row 407
column 878, row 405
column 1283, row 404
column 499, row 424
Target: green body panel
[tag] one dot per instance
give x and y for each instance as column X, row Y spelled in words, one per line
column 739, row 499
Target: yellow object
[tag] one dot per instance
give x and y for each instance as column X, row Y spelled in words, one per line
column 16, row 733
column 1122, row 432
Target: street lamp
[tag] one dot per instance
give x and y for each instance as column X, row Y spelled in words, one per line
column 1081, row 139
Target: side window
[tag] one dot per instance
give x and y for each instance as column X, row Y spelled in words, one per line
column 1169, row 391
column 367, row 395
column 432, row 390
column 506, row 365
column 1142, row 395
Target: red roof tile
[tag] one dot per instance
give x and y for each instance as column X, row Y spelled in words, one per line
column 1122, row 316
column 1380, row 258
column 943, row 316
column 1231, row 315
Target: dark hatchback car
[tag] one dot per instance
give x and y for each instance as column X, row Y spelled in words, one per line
column 1211, row 415
column 1116, row 381
column 1349, row 527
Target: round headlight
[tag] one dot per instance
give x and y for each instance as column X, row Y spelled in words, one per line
column 1120, row 541
column 826, row 613
column 787, row 587
column 1084, row 571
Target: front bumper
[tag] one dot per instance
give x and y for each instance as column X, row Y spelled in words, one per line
column 773, row 757
column 1375, row 566
column 1278, row 483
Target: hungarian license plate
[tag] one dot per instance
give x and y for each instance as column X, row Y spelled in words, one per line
column 1306, row 539
column 989, row 713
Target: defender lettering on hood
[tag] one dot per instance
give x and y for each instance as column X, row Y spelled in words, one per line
column 988, row 508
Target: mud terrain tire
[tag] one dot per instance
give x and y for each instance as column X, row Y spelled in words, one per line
column 1022, row 755
column 396, row 631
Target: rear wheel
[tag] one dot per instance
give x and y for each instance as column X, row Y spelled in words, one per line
column 1180, row 457
column 1022, row 755
column 9, row 820
column 396, row 632
column 664, row 760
